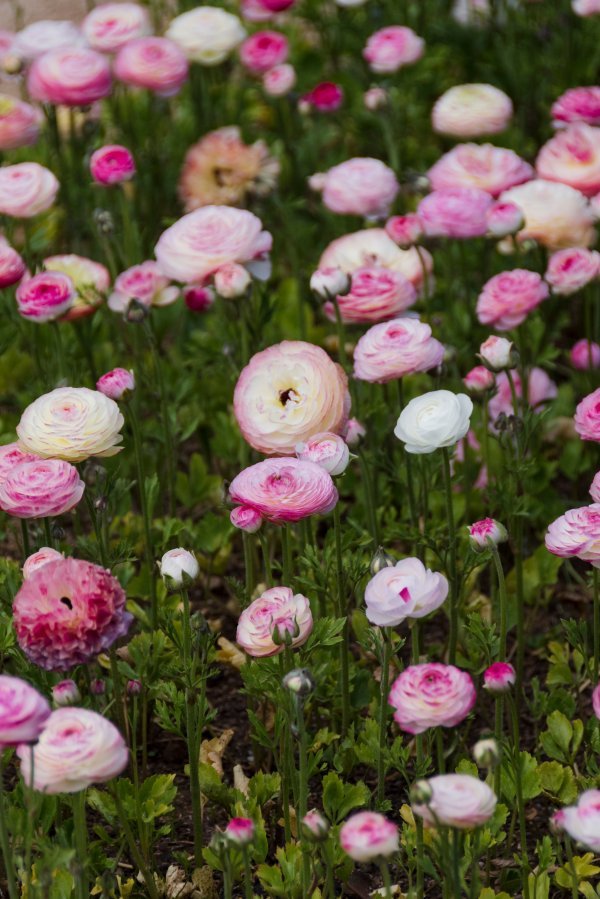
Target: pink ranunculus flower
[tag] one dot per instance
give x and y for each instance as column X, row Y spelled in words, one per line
column 499, row 677
column 68, row 612
column 393, row 349
column 360, row 186
column 354, row 432
column 571, row 269
column 45, row 35
column 572, row 157
column 45, row 297
column 277, row 617
column 328, row 450
column 264, row 50
column 484, row 166
column 585, row 8
column 12, row 455
column 232, row 280
column 375, row 98
column 90, row 279
column 26, row 189
column 595, row 488
column 375, row 295
column 582, row 821
column 41, row 489
column 457, row 800
column 504, row 219
column 458, row 212
column 275, row 6
column 366, row 836
column 479, row 380
column 19, row 123
column 587, row 417
column 329, row 282
column 584, row 355
column 391, row 48
column 314, row 826
column 556, row 215
column 116, row 383
column 287, row 393
column 65, row 692
column 145, row 283
column 23, row 712
column 596, row 701
column 284, row 490
column 240, row 831
column 246, row 519
column 485, row 532
column 198, row 298
column 578, row 104
column 507, row 299
column 540, row 388
column 576, row 533
column 431, row 695
column 69, row 77
column 472, row 110
column 37, row 560
column 405, row 590
column 279, row 80
column 202, row 241
column 325, row 97
column 112, row 164
column 76, row 748
column 155, row 63
column 497, row 353
column 109, row 26
column 405, row 230
column 12, row 266
column 254, row 11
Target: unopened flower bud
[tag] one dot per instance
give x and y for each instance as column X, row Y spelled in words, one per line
column 136, row 312
column 420, row 793
column 329, row 282
column 299, row 681
column 232, row 280
column 479, row 380
column 499, row 677
column 486, row 753
column 355, row 431
column 498, row 354
column 314, row 826
column 134, row 687
column 375, row 98
column 240, row 831
column 97, row 687
column 381, row 560
column 65, row 693
column 179, row 568
column 104, row 221
column 486, row 532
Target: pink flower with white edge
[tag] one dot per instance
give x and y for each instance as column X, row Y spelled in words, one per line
column 112, row 164
column 41, row 489
column 541, row 389
column 279, row 80
column 325, row 97
column 486, row 532
column 595, row 488
column 327, row 450
column 65, row 693
column 276, row 619
column 367, row 836
column 587, row 417
column 232, row 280
column 109, row 26
column 45, row 297
column 23, row 712
column 582, row 821
column 179, row 568
column 584, row 355
column 572, row 269
column 391, row 350
column 572, row 157
column 69, row 77
column 116, row 383
column 576, row 533
column 498, row 353
column 472, row 110
column 375, row 98
column 284, row 490
column 240, row 831
column 198, row 298
column 19, row 123
column 391, row 48
column 404, row 591
column 38, row 559
column 354, row 432
column 91, row 281
column 12, row 266
column 375, row 294
column 329, row 282
column 504, row 219
column 556, row 215
column 315, row 826
column 155, row 63
column 146, row 283
column 431, row 695
column 458, row 212
column 479, row 380
column 483, row 166
column 405, row 230
column 263, row 50
column 246, row 519
column 499, row 677
column 360, row 186
column 456, row 800
column 11, row 455
column 76, row 748
column 507, row 299
column 26, row 189
column 578, row 104
column 585, row 7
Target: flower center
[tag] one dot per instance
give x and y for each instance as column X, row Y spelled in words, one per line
column 66, row 602
column 288, row 396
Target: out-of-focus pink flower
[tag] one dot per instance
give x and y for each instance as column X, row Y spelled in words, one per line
column 360, row 186
column 315, row 826
column 596, row 701
column 405, row 590
column 431, row 695
column 279, row 80
column 109, row 26
column 232, row 280
column 246, row 519
column 582, row 821
column 41, row 489
column 277, row 617
column 393, row 349
column 329, row 282
column 541, row 389
column 366, row 836
column 264, row 50
column 198, row 298
column 571, row 269
column 479, row 379
column 486, row 531
column 23, row 711
column 405, row 230
column 354, row 432
column 457, row 800
column 46, row 35
column 375, row 294
column 45, row 297
column 68, row 612
column 595, row 488
column 285, row 489
column 578, row 104
column 587, row 417
column 328, row 450
column 556, row 215
column 572, row 157
column 472, row 110
column 26, row 189
column 585, row 7
column 325, row 97
column 69, row 77
column 12, row 455
column 585, row 354
column 112, row 164
column 497, row 353
column 375, row 98
column 38, row 559
column 499, row 677
column 65, row 693
column 391, row 48
column 19, row 123
column 155, row 63
column 484, row 166
column 146, row 283
column 503, row 219
column 12, row 266
column 276, row 6
column 455, row 212
column 116, row 383
column 90, row 279
column 507, row 299
column 240, row 831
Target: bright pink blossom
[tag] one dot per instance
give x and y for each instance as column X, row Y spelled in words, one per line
column 23, row 712
column 276, row 618
column 69, row 77
column 112, row 164
column 284, row 490
column 483, row 166
column 116, row 383
column 572, row 269
column 431, row 695
column 584, row 355
column 264, row 50
column 499, row 677
column 458, row 212
column 375, row 295
column 325, row 97
column 506, row 299
column 391, row 48
column 587, row 417
column 240, row 831
column 155, row 63
column 41, row 489
column 45, row 297
column 393, row 349
column 485, row 532
column 367, row 836
column 578, row 104
column 479, row 379
column 198, row 298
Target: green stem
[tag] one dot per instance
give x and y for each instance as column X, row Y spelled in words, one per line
column 475, row 880
column 284, row 766
column 344, row 646
column 166, row 418
column 147, row 876
column 574, row 877
column 412, row 506
column 192, row 730
column 248, row 565
column 439, row 745
column 452, row 569
column 456, row 863
column 501, row 600
column 25, row 538
column 7, row 853
column 303, row 792
column 286, row 548
column 264, row 544
column 383, row 711
column 498, row 735
column 519, row 794
column 416, row 658
column 329, row 878
column 118, row 691
column 48, row 533
column 80, row 839
column 247, row 874
column 387, row 882
column 365, row 474
column 148, row 545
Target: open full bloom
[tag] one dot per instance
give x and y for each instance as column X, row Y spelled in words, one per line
column 405, row 590
column 375, row 295
column 19, row 123
column 44, row 35
column 434, row 420
column 360, row 186
column 457, row 800
column 484, row 166
column 540, row 389
column 112, row 164
column 45, row 297
column 585, row 354
column 458, row 212
column 285, row 489
column 41, row 489
column 146, row 283
column 390, row 48
column 206, row 34
column 507, row 299
column 366, row 836
column 578, row 104
column 109, row 26
column 576, row 533
column 556, row 215
column 587, row 417
column 69, row 77
column 328, row 450
column 472, row 110
column 571, row 269
column 431, row 695
column 393, row 349
column 26, row 189
column 572, row 157
column 40, row 558
column 155, row 63
column 264, row 50
column 582, row 821
column 23, row 711
column 277, row 617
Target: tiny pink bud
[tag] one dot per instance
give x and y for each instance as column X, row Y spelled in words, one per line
column 315, row 826
column 246, row 518
column 485, row 532
column 355, row 431
column 97, row 686
column 499, row 677
column 198, row 298
column 116, row 383
column 405, row 230
column 329, row 282
column 375, row 98
column 65, row 693
column 134, row 687
column 479, row 379
column 503, row 219
column 240, row 831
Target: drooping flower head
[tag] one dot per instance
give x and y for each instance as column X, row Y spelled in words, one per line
column 276, row 618
column 285, row 489
column 405, row 590
column 23, row 711
column 431, row 695
column 116, row 383
column 457, row 800
column 41, row 489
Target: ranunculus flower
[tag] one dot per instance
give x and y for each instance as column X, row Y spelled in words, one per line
column 376, row 294
column 19, row 123
column 232, row 280
column 204, row 240
column 109, row 26
column 315, row 826
column 76, row 748
column 116, row 383
column 65, row 692
column 582, row 821
column 486, row 531
column 484, row 166
column 206, row 34
column 246, row 519
column 329, row 282
column 455, row 212
column 595, row 488
column 585, row 7
column 41, row 489
column 354, row 432
column 279, row 80
column 90, row 279
column 367, row 836
column 23, row 712
column 198, row 298
column 556, row 215
column 12, row 455
column 393, row 349
column 45, row 297
column 112, row 164
column 287, row 393
column 431, row 695
column 155, row 63
column 405, row 230
column 275, row 618
column 457, row 800
column 540, row 389
column 12, row 266
column 472, row 110
column 479, row 379
column 499, row 677
column 571, row 269
column 587, row 417
column 504, row 219
column 434, row 420
column 283, row 490
column 497, row 353
column 71, row 423
column 596, row 700
column 405, row 590
column 45, row 35
column 68, row 612
column 264, row 50
column 572, row 157
column 240, row 831
column 179, row 567
column 578, row 104
column 507, row 299
column 585, row 354
column 146, row 283
column 326, row 449
column 69, row 77
column 325, row 97
column 375, row 98
column 26, row 189
column 391, row 48
column 576, row 533
column 38, row 559
column 360, row 186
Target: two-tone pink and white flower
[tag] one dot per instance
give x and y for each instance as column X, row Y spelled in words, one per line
column 486, row 532
column 109, row 26
column 367, row 836
column 504, row 219
column 45, row 297
column 116, row 383
column 499, row 677
column 479, row 379
column 507, row 299
column 26, row 189
column 328, row 450
column 12, row 265
column 582, row 821
column 155, row 63
column 576, row 533
column 587, row 417
column 38, row 559
column 19, row 123
column 23, row 712
column 145, row 283
column 404, row 591
column 431, row 695
column 276, row 618
column 285, row 490
column 484, row 166
column 41, row 489
column 69, row 77
column 360, row 186
column 572, row 157
column 456, row 800
column 405, row 230
column 394, row 349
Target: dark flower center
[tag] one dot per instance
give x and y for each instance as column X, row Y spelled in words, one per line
column 66, row 602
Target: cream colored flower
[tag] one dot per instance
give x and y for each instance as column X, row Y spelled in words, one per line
column 206, row 34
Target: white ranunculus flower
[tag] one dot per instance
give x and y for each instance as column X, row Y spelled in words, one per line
column 179, row 567
column 457, row 800
column 206, row 34
column 435, row 420
column 405, row 590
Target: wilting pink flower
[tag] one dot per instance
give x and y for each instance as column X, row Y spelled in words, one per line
column 116, row 383
column 503, row 219
column 484, row 166
column 455, row 212
column 405, row 590
column 375, row 98
column 375, row 294
column 26, row 189
column 506, row 299
column 23, row 712
column 360, row 186
column 327, row 450
column 240, row 831
column 366, row 836
column 19, row 123
column 279, row 80
column 232, row 280
column 497, row 353
column 585, row 7
column 112, row 164
column 582, row 821
column 41, row 489
column 405, row 230
column 45, row 297
column 587, row 417
column 65, row 693
column 540, row 389
column 325, row 97
column 572, row 157
column 596, row 701
column 485, row 532
column 155, row 63
column 499, row 677
column 595, row 488
column 479, row 379
column 198, row 298
column 391, row 48
column 39, row 559
column 109, row 26
column 394, row 349
column 246, row 519
column 76, row 748
column 576, row 533
column 354, row 432
column 288, row 392
column 264, row 50
column 276, row 618
column 69, row 77
column 285, row 489
column 457, row 800
column 145, row 283
column 472, row 110
column 431, row 695
column 556, row 215
column 585, row 354
column 68, row 612
column 571, row 269
column 12, row 455
column 12, row 266
column 578, row 104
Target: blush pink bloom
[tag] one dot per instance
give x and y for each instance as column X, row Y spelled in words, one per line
column 68, row 612
column 76, row 748
column 576, row 533
column 38, row 559
column 578, row 104
column 26, row 189
column 572, row 157
column 276, row 618
column 405, row 230
column 503, row 219
column 279, row 80
column 595, row 488
column 325, row 97
column 457, row 800
column 232, row 280
column 472, row 110
column 375, row 98
column 582, row 821
column 65, row 692
column 584, row 355
column 506, row 299
column 41, row 489
column 586, row 7
column 240, row 831
column 485, row 532
column 375, row 294
column 360, row 186
column 116, row 383
column 405, row 590
column 263, row 50
column 479, row 380
column 327, row 282
column 155, row 63
column 484, row 166
column 145, row 283
column 571, row 269
column 458, row 212
column 69, row 77
column 391, row 48
column 19, row 123
column 499, row 677
column 246, row 519
column 587, row 417
column 45, row 297
column 283, row 490
column 431, row 695
column 23, row 712
column 367, row 836
column 327, row 450
column 556, row 215
column 354, row 432
column 109, row 26
column 45, row 35
column 12, row 455
column 12, row 266
column 112, row 164
column 497, row 353
column 287, row 393
column 541, row 389
column 198, row 298
column 393, row 349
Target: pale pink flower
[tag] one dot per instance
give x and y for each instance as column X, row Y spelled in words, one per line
column 484, row 166
column 69, row 77
column 315, row 826
column 572, row 157
column 65, row 692
column 391, row 48
column 254, row 11
column 457, row 800
column 246, row 519
column 284, row 490
column 576, row 533
column 582, row 821
column 507, row 299
column 232, row 280
column 595, row 488
column 479, row 380
column 325, row 97
column 277, row 617
column 431, row 695
column 497, row 353
column 596, row 700
column 585, row 7
column 571, row 269
column 198, row 298
column 458, row 212
column 38, row 559
column 587, row 417
column 354, row 432
column 393, row 349
column 109, row 26
column 12, row 266
column 485, row 532
column 327, row 450
column 472, row 110
column 240, row 831
column 45, row 297
column 19, row 123
column 146, row 283
column 499, row 677
column 154, row 63
column 405, row 590
column 41, row 489
column 263, row 51
column 540, row 388
column 503, row 219
column 578, row 104
column 360, row 186
column 23, row 711
column 375, row 294
column 367, row 836
column 585, row 354
column 327, row 282
column 375, row 98
column 279, row 80
column 556, row 215
column 116, row 383
column 26, row 189
column 405, row 230
column 45, row 35
column 12, row 455
column 112, row 164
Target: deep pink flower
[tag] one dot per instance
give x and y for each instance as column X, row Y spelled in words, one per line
column 366, row 836
column 276, row 5
column 587, row 417
column 285, row 489
column 431, row 695
column 112, row 164
column 458, row 212
column 23, row 711
column 12, row 266
column 571, row 269
column 499, row 677
column 578, row 104
column 198, row 298
column 41, row 489
column 585, row 354
column 393, row 349
column 69, row 77
column 325, row 97
column 156, row 63
column 506, row 299
column 264, row 50
column 45, row 297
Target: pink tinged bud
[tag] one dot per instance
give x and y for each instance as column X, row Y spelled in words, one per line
column 198, row 299
column 355, row 431
column 498, row 354
column 65, row 693
column 499, row 677
column 367, row 836
column 12, row 267
column 325, row 97
column 98, row 686
column 596, row 701
column 116, row 383
column 263, row 50
column 479, row 380
column 232, row 280
column 45, row 297
column 246, row 519
column 315, row 826
column 279, row 80
column 327, row 450
column 240, row 831
column 584, row 355
column 112, row 164
column 504, row 219
column 134, row 687
column 329, row 282
column 39, row 559
column 405, row 230
column 486, row 532
column 277, row 618
column 375, row 98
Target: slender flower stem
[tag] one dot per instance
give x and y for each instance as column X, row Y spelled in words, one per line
column 452, row 569
column 329, row 878
column 148, row 545
column 383, row 710
column 7, row 853
column 475, row 880
column 248, row 565
column 286, row 549
column 247, row 874
column 499, row 709
column 192, row 730
column 166, row 418
column 387, row 881
column 596, row 600
column 456, row 862
column 284, row 765
column 80, row 838
column 48, row 533
column 574, row 877
column 501, row 600
column 439, row 746
column 516, row 752
column 365, row 474
column 303, row 792
column 518, row 554
column 344, row 646
column 266, row 553
column 410, row 490
column 25, row 538
column 416, row 658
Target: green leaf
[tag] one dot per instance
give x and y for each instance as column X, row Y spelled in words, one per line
column 340, row 798
column 558, row 781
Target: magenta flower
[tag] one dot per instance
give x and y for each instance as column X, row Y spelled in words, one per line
column 585, row 354
column 366, row 836
column 112, row 164
column 240, row 831
column 431, row 695
column 587, row 417
column 499, row 677
column 325, row 97
column 22, row 711
column 45, row 297
column 285, row 489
